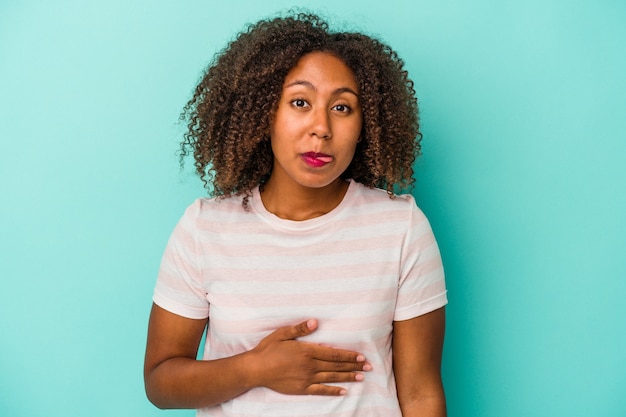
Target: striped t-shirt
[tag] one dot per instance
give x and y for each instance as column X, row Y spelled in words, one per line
column 356, row 269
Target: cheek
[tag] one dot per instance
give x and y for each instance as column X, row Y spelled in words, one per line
column 283, row 126
column 349, row 150
column 355, row 132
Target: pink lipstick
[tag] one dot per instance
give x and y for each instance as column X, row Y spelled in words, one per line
column 315, row 159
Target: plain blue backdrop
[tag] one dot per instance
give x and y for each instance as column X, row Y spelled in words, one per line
column 523, row 178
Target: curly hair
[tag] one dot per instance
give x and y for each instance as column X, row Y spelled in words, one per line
column 230, row 114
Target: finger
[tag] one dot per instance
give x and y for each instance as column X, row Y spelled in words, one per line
column 328, row 377
column 329, row 354
column 327, row 366
column 321, row 389
column 299, row 330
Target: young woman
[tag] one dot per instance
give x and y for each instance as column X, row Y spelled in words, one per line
column 320, row 290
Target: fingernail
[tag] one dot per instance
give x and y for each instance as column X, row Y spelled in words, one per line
column 311, row 323
column 343, row 392
column 359, row 377
column 367, row 367
column 360, row 358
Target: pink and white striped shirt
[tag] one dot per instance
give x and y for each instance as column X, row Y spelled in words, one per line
column 370, row 261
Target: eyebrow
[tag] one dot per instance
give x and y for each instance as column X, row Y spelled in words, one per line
column 311, row 86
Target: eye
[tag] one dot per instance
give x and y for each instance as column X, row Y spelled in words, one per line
column 301, row 103
column 342, row 108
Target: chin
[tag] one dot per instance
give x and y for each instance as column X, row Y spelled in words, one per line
column 318, row 184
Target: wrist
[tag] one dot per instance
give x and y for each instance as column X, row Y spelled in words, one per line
column 250, row 370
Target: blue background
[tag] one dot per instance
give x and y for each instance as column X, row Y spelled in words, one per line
column 523, row 177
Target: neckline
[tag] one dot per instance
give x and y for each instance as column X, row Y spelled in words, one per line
column 301, row 225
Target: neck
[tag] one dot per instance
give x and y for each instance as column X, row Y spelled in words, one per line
column 298, row 203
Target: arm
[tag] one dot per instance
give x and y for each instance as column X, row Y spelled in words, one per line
column 175, row 379
column 417, row 351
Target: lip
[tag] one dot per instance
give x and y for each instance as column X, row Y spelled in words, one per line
column 316, row 159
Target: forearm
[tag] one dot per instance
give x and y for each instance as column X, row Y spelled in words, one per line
column 425, row 406
column 175, row 379
column 189, row 383
column 417, row 350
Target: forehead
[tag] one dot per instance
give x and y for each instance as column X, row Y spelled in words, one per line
column 322, row 69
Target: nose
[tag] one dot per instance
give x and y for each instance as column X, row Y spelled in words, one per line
column 321, row 124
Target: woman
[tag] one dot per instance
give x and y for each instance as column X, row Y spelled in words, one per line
column 320, row 290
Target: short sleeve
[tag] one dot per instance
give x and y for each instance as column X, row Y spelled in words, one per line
column 179, row 286
column 422, row 286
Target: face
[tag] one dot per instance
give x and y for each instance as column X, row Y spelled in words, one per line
column 317, row 124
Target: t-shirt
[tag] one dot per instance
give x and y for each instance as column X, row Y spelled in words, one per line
column 370, row 261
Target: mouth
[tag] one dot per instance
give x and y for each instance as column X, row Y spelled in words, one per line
column 315, row 159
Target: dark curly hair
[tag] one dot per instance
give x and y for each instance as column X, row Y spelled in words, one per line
column 231, row 110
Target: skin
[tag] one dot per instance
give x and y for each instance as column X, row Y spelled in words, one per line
column 319, row 112
column 175, row 379
column 417, row 349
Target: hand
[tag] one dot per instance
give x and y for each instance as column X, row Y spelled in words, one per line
column 289, row 366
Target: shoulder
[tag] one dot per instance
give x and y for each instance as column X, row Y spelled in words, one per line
column 381, row 200
column 214, row 210
column 402, row 209
column 215, row 205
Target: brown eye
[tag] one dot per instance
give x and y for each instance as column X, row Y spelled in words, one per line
column 299, row 103
column 342, row 108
